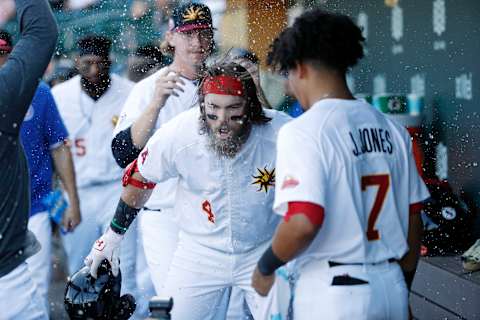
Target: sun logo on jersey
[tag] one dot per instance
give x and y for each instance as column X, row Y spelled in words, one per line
column 193, row 14
column 265, row 179
column 115, row 120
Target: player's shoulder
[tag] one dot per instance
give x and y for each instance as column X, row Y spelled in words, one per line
column 185, row 121
column 181, row 130
column 66, row 87
column 122, row 82
column 303, row 123
column 278, row 118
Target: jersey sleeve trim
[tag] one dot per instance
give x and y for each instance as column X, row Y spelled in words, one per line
column 312, row 211
column 415, row 208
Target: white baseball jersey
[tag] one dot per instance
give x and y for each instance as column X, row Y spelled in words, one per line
column 354, row 162
column 222, row 203
column 90, row 124
column 140, row 97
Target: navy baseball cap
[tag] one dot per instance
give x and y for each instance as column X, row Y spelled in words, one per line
column 191, row 16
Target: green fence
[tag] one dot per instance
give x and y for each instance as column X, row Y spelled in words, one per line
column 109, row 18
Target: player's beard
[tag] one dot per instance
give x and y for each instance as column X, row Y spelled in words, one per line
column 230, row 146
column 96, row 89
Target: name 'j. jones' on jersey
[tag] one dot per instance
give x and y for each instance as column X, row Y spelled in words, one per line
column 370, row 140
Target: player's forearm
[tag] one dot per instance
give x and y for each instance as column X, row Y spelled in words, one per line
column 293, row 237
column 410, row 260
column 415, row 231
column 143, row 128
column 63, row 163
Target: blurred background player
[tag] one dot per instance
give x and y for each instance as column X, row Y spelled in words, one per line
column 90, row 104
column 223, row 155
column 43, row 135
column 19, row 77
column 152, row 102
column 342, row 161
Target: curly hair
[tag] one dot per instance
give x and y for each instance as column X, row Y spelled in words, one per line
column 255, row 110
column 320, row 38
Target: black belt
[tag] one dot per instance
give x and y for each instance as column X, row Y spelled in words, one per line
column 149, row 209
column 332, row 264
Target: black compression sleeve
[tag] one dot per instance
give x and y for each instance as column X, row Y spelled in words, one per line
column 123, row 149
column 269, row 262
column 123, row 218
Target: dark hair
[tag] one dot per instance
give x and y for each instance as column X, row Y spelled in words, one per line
column 318, row 37
column 255, row 110
column 94, row 44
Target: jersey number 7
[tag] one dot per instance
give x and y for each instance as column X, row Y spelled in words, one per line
column 383, row 183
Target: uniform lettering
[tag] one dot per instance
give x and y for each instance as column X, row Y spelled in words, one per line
column 371, row 140
column 390, row 146
column 355, row 150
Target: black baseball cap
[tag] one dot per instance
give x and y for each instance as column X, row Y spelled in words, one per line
column 191, row 16
column 5, row 42
column 96, row 45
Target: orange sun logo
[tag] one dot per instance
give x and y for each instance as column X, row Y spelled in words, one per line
column 264, row 179
column 193, row 14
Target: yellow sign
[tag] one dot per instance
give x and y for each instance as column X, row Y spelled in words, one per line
column 391, row 3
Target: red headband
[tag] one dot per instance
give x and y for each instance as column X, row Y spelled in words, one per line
column 4, row 46
column 226, row 85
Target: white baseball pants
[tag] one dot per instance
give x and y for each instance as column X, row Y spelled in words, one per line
column 19, row 297
column 159, row 233
column 384, row 297
column 200, row 281
column 39, row 264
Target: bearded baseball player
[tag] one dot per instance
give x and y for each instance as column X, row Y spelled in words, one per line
column 223, row 155
column 347, row 185
column 90, row 104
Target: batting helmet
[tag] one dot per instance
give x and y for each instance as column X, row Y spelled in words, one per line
column 90, row 298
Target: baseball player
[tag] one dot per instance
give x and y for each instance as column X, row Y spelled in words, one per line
column 42, row 135
column 223, row 157
column 151, row 103
column 347, row 185
column 19, row 77
column 90, row 104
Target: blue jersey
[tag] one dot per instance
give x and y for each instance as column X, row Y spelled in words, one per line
column 42, row 131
